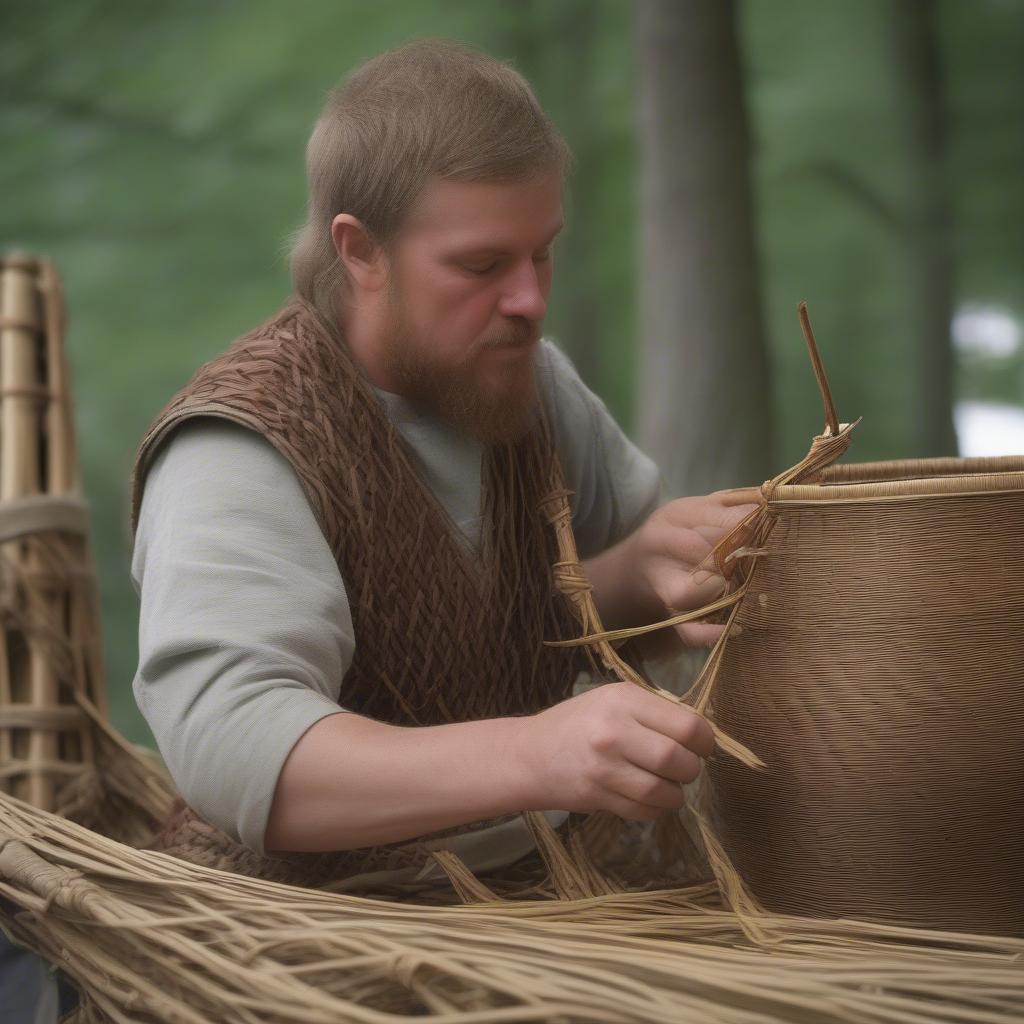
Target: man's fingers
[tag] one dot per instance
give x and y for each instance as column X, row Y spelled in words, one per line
column 728, row 516
column 679, row 724
column 661, row 755
column 738, row 496
column 630, row 809
column 702, row 587
column 690, row 547
column 646, row 789
column 687, row 592
column 699, row 634
column 708, row 515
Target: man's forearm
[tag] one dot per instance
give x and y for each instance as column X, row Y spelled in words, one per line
column 351, row 782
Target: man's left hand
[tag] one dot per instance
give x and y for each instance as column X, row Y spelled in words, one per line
column 653, row 574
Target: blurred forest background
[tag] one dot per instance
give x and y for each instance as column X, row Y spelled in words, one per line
column 732, row 159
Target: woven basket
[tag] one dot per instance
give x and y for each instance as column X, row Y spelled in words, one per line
column 875, row 665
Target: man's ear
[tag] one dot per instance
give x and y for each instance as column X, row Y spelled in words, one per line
column 364, row 260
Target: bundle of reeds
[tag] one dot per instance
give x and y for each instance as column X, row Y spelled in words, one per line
column 149, row 938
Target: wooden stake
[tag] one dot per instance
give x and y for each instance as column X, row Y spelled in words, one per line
column 831, row 419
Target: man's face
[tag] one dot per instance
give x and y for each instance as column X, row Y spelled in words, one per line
column 469, row 277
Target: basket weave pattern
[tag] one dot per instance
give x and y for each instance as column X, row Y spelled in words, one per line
column 876, row 669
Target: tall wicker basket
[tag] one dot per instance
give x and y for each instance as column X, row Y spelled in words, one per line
column 877, row 666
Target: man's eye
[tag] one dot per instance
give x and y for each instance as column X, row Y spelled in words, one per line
column 479, row 268
column 542, row 257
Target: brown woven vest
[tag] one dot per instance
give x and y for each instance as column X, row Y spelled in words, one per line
column 441, row 636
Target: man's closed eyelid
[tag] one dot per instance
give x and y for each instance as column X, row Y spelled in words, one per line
column 539, row 258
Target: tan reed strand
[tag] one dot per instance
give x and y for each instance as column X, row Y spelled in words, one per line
column 913, row 469
column 570, row 579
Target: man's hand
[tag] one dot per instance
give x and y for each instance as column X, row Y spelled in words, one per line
column 617, row 748
column 650, row 575
column 351, row 782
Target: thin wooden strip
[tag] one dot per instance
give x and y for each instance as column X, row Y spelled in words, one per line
column 871, row 472
column 21, row 716
column 831, row 417
column 35, row 766
column 19, row 261
column 41, row 513
column 18, row 323
column 962, row 485
column 611, row 635
column 62, row 469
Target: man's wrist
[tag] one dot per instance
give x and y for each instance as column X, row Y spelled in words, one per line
column 514, row 748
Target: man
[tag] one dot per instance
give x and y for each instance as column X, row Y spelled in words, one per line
column 343, row 565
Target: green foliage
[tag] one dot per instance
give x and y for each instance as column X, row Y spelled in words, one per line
column 835, row 187
column 154, row 151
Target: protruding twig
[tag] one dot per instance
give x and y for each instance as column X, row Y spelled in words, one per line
column 831, row 419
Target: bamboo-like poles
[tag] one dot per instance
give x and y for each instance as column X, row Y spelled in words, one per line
column 50, row 641
column 20, row 457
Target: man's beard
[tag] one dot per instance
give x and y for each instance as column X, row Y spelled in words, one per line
column 461, row 395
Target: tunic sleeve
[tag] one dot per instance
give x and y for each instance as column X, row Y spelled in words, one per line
column 245, row 630
column 615, row 485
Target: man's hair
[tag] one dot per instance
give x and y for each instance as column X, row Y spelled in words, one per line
column 430, row 108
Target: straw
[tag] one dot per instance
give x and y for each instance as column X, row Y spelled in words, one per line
column 149, row 937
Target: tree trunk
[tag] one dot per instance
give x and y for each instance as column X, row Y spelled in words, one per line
column 704, row 404
column 929, row 236
column 535, row 38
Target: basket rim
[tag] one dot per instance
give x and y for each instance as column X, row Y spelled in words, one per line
column 907, row 478
column 903, row 469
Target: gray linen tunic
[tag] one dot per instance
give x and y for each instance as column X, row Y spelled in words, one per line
column 245, row 631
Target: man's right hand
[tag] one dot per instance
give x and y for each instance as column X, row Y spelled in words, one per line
column 618, row 748
column 351, row 782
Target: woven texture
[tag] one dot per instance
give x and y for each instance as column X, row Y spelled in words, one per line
column 874, row 664
column 442, row 635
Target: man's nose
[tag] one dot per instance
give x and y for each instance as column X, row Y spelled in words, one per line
column 523, row 294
